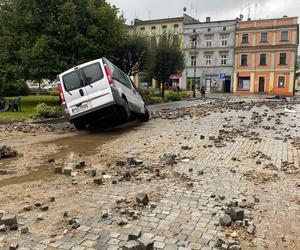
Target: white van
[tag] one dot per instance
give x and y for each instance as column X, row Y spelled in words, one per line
column 96, row 90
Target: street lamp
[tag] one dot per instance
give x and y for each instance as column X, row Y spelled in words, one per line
column 194, row 39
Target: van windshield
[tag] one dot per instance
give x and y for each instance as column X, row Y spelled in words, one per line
column 72, row 81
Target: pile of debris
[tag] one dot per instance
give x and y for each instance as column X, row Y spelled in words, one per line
column 260, row 177
column 7, row 152
column 8, row 222
column 237, row 226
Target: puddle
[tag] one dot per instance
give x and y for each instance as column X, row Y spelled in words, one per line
column 43, row 173
column 86, row 144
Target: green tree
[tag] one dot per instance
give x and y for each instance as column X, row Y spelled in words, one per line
column 40, row 39
column 166, row 59
column 132, row 54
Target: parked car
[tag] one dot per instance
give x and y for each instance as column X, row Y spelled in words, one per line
column 96, row 90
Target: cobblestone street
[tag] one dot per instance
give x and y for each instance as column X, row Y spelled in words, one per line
column 196, row 169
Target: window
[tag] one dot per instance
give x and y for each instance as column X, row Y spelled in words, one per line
column 244, row 83
column 264, row 37
column 245, row 38
column 224, row 28
column 224, row 59
column 208, row 41
column 92, row 73
column 281, row 81
column 209, row 29
column 176, row 26
column 194, row 42
column 153, row 41
column 153, row 27
column 282, row 59
column 208, row 60
column 224, row 40
column 263, row 59
column 284, row 36
column 193, row 61
column 142, row 28
column 72, row 81
column 175, row 40
column 164, row 27
column 244, row 60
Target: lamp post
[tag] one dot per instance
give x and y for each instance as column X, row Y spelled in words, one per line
column 194, row 37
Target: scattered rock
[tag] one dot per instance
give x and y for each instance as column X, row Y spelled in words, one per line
column 98, row 180
column 236, row 213
column 132, row 245
column 104, row 215
column 122, row 221
column 90, row 172
column 8, row 220
column 251, row 229
column 7, row 152
column 68, row 171
column 13, row 246
column 146, row 243
column 2, row 228
column 3, row 172
column 134, row 233
column 142, row 198
column 225, row 221
column 24, row 230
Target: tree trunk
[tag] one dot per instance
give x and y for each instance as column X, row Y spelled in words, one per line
column 163, row 91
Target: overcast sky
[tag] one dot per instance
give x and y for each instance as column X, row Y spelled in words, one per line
column 217, row 9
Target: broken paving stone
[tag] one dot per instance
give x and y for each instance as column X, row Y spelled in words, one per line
column 7, row 152
column 122, row 221
column 146, row 243
column 200, row 172
column 24, row 230
column 121, row 163
column 235, row 247
column 219, row 242
column 13, row 246
column 120, row 200
column 13, row 227
column 3, row 172
column 134, row 233
column 251, row 229
column 2, row 228
column 90, row 172
column 27, row 208
column 142, row 198
column 153, row 205
column 8, row 220
column 51, row 160
column 40, row 217
column 58, row 170
column 132, row 245
column 186, row 147
column 225, row 221
column 114, row 182
column 68, row 171
column 98, row 180
column 78, row 164
column 75, row 225
column 104, row 215
column 236, row 213
column 44, row 208
column 170, row 159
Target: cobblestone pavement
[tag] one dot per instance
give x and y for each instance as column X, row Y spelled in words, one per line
column 255, row 164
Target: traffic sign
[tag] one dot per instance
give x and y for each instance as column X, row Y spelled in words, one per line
column 222, row 76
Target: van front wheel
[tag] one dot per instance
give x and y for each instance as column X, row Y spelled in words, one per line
column 146, row 116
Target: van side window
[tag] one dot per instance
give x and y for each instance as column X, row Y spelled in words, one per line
column 72, row 81
column 92, row 73
column 118, row 75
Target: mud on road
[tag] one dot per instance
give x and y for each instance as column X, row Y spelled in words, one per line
column 197, row 165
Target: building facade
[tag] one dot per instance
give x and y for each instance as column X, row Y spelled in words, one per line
column 265, row 56
column 209, row 53
column 155, row 30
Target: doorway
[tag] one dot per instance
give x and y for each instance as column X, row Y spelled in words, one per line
column 227, row 85
column 261, row 85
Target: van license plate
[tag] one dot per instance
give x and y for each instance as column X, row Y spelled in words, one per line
column 80, row 108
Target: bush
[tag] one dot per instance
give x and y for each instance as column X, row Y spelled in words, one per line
column 174, row 96
column 17, row 88
column 44, row 111
column 54, row 92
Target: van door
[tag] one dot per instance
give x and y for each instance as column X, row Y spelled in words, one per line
column 75, row 92
column 138, row 100
column 97, row 86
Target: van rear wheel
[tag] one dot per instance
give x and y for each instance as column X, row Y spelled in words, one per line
column 125, row 111
column 79, row 125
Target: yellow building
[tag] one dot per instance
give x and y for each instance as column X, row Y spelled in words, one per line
column 155, row 30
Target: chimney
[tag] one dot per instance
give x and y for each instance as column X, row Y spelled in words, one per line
column 208, row 19
column 241, row 17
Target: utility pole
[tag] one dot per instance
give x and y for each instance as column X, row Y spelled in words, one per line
column 195, row 63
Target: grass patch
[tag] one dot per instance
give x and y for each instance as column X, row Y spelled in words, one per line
column 151, row 98
column 28, row 104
